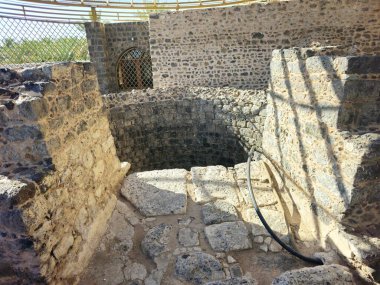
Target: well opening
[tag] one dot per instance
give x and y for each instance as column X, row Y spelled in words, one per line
column 182, row 128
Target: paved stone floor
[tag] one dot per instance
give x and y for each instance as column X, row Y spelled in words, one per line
column 196, row 227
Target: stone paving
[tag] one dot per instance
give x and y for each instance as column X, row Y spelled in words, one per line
column 198, row 227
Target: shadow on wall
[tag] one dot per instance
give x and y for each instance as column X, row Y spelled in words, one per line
column 174, row 136
column 184, row 132
column 56, row 191
column 323, row 139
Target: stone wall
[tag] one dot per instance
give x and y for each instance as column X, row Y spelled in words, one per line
column 58, row 174
column 106, row 43
column 184, row 127
column 322, row 133
column 233, row 46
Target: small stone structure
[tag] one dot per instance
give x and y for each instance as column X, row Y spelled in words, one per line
column 59, row 172
column 185, row 127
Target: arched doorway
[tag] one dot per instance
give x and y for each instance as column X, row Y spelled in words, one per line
column 134, row 70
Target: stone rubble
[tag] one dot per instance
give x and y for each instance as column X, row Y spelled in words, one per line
column 207, row 244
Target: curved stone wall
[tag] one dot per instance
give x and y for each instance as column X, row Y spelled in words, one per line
column 185, row 127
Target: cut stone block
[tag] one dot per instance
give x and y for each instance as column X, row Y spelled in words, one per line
column 218, row 212
column 228, row 236
column 324, row 274
column 275, row 220
column 156, row 241
column 258, row 171
column 156, row 193
column 198, row 268
column 214, row 182
column 188, row 237
column 260, row 182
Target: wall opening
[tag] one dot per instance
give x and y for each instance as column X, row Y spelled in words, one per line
column 134, row 70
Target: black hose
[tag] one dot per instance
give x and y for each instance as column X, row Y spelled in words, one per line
column 314, row 260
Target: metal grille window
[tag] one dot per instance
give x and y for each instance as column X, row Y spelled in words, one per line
column 134, row 70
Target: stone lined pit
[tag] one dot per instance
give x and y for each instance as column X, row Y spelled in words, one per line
column 185, row 127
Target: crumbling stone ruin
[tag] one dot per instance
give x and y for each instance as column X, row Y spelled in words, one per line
column 103, row 184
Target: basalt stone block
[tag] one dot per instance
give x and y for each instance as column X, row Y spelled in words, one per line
column 198, row 268
column 156, row 241
column 324, row 274
column 218, row 212
column 21, row 133
column 228, row 236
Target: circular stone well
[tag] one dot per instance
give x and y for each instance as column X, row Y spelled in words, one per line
column 185, row 127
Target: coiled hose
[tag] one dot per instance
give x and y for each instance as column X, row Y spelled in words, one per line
column 313, row 260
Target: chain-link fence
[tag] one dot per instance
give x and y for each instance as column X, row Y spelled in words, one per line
column 26, row 41
column 134, row 70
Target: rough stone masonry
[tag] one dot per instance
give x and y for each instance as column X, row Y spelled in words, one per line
column 322, row 137
column 58, row 174
column 182, row 127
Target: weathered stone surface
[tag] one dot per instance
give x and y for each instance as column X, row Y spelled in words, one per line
column 234, row 281
column 135, row 271
column 214, row 182
column 185, row 221
column 260, row 183
column 156, row 275
column 324, row 274
column 258, row 172
column 156, row 240
column 198, row 268
column 228, row 236
column 275, row 219
column 236, row 271
column 187, row 127
column 188, row 237
column 218, row 212
column 325, row 155
column 53, row 150
column 63, row 246
column 120, row 231
column 241, row 59
column 156, row 193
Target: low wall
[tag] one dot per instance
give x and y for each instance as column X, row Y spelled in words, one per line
column 58, row 173
column 185, row 127
column 322, row 133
